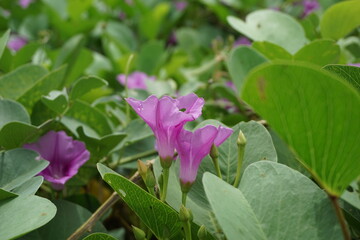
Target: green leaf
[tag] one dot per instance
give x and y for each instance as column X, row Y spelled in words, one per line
column 77, row 7
column 91, row 116
column 272, row 51
column 100, row 147
column 43, row 86
column 264, row 25
column 240, row 63
column 56, row 101
column 12, row 111
column 18, row 166
column 23, row 214
column 16, row 134
column 151, row 56
column 3, row 41
column 320, row 52
column 68, row 218
column 16, row 83
column 86, row 84
column 24, row 55
column 349, row 73
column 310, row 120
column 99, row 236
column 156, row 215
column 6, row 194
column 151, row 22
column 30, row 187
column 233, row 212
column 137, row 130
column 340, row 19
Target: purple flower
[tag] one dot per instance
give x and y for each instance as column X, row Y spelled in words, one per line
column 25, row 3
column 135, row 80
column 180, row 5
column 16, row 42
column 192, row 147
column 242, row 41
column 354, row 64
column 309, row 7
column 65, row 155
column 166, row 117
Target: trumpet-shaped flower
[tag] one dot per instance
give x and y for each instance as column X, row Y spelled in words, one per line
column 166, row 117
column 192, row 147
column 16, row 43
column 135, row 80
column 65, row 155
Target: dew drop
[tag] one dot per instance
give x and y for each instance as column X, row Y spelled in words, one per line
column 140, row 107
column 122, row 192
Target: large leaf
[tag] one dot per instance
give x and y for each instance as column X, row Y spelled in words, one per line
column 23, row 214
column 3, row 41
column 43, row 86
column 18, row 166
column 30, row 187
column 56, row 101
column 12, row 111
column 157, row 216
column 272, row 191
column 68, row 218
column 272, row 51
column 16, row 83
column 272, row 26
column 349, row 73
column 16, row 134
column 309, row 119
column 232, row 210
column 99, row 236
column 85, row 84
column 340, row 19
column 241, row 61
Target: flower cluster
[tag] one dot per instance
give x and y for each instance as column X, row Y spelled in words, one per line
column 166, row 117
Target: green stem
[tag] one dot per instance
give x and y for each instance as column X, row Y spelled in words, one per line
column 341, row 217
column 166, row 172
column 183, row 198
column 241, row 151
column 133, row 158
column 217, row 167
column 187, row 230
column 127, row 69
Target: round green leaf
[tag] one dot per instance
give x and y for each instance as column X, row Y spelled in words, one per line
column 340, row 19
column 272, row 51
column 272, row 26
column 349, row 73
column 86, row 84
column 23, row 214
column 12, row 111
column 315, row 113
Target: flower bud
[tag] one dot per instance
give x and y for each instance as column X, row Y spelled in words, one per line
column 138, row 233
column 150, row 179
column 241, row 140
column 214, row 153
column 202, row 233
column 185, row 214
column 142, row 169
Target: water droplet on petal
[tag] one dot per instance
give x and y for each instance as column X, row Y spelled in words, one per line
column 140, row 107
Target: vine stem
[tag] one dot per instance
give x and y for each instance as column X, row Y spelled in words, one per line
column 87, row 226
column 339, row 213
column 166, row 173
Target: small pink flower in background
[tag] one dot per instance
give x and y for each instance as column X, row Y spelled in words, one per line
column 25, row 3
column 354, row 64
column 309, row 7
column 16, row 42
column 65, row 155
column 136, row 80
column 242, row 41
column 192, row 147
column 180, row 5
column 231, row 85
column 166, row 117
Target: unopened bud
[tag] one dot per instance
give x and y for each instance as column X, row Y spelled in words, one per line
column 150, row 179
column 241, row 140
column 184, row 214
column 138, row 233
column 142, row 168
column 202, row 233
column 214, row 153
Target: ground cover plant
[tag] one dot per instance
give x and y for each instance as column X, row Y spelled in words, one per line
column 131, row 119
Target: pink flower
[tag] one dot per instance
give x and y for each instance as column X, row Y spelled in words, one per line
column 65, row 155
column 166, row 117
column 354, row 64
column 194, row 146
column 309, row 7
column 135, row 80
column 180, row 5
column 16, row 42
column 25, row 3
column 242, row 41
